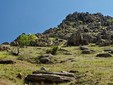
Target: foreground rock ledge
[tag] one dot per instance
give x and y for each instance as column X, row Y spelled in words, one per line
column 50, row 77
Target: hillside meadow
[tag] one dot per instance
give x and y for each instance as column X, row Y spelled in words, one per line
column 89, row 69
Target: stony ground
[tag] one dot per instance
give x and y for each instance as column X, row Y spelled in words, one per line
column 90, row 70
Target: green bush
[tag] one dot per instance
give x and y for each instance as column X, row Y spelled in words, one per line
column 53, row 50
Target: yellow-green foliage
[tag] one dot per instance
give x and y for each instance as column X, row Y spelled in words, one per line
column 23, row 40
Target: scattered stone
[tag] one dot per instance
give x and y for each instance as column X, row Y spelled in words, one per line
column 19, row 76
column 43, row 69
column 86, row 52
column 103, row 55
column 45, row 59
column 84, row 48
column 68, row 60
column 7, row 62
column 92, row 51
column 108, row 49
column 67, row 53
column 73, row 71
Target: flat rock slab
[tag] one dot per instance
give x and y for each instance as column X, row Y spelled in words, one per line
column 7, row 62
column 50, row 77
column 104, row 55
column 56, row 73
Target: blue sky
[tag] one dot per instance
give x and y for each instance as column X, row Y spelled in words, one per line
column 34, row 16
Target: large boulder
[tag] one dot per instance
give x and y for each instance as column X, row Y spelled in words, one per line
column 50, row 77
column 45, row 59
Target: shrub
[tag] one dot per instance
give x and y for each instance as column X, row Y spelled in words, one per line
column 53, row 51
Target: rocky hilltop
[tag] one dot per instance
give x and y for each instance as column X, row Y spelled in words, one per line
column 78, row 29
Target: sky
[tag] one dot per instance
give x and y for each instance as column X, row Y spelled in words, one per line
column 36, row 16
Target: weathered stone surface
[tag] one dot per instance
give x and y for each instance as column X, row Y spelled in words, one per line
column 84, row 48
column 56, row 73
column 7, row 62
column 86, row 52
column 103, row 55
column 50, row 77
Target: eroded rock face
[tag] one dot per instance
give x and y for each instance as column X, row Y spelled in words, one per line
column 50, row 77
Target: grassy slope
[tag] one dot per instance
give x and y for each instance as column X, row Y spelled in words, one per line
column 94, row 70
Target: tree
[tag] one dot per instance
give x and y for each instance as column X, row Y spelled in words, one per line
column 23, row 40
column 32, row 38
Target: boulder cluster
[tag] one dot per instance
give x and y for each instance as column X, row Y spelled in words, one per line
column 77, row 29
column 42, row 40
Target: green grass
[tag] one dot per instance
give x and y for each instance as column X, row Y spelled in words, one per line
column 96, row 70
